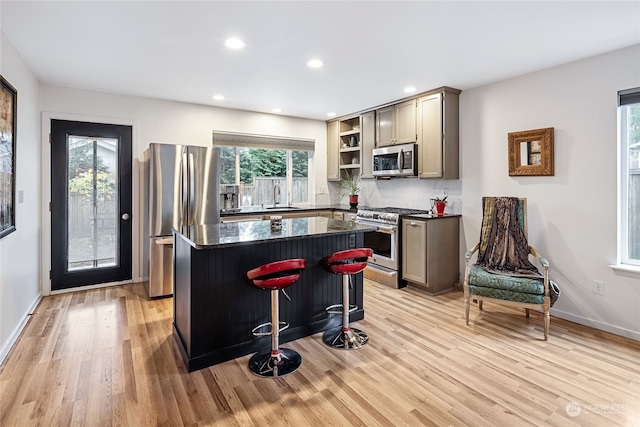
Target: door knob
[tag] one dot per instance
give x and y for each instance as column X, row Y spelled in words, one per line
column 125, row 216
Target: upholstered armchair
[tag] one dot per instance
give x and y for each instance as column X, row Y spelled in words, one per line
column 503, row 273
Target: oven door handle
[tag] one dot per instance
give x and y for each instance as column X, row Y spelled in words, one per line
column 386, row 230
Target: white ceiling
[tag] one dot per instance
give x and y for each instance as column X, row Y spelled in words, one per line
column 174, row 50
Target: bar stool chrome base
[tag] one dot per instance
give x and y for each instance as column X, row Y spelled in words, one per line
column 345, row 338
column 275, row 277
column 271, row 364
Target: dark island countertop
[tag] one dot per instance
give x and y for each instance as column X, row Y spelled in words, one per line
column 250, row 232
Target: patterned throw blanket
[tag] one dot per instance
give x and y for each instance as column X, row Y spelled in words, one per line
column 503, row 243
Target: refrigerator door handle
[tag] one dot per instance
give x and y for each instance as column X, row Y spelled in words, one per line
column 184, row 177
column 192, row 190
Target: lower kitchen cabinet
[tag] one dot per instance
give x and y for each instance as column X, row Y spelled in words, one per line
column 297, row 214
column 344, row 216
column 240, row 218
column 431, row 253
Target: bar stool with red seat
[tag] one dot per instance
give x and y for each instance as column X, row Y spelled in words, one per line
column 275, row 276
column 345, row 263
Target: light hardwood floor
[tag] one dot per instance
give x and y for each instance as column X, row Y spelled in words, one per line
column 107, row 357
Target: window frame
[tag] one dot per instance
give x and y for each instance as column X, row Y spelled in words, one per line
column 289, row 176
column 626, row 98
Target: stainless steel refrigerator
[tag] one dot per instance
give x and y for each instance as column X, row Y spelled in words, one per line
column 182, row 187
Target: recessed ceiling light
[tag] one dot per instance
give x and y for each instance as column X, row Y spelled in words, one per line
column 409, row 89
column 314, row 63
column 331, row 114
column 276, row 110
column 234, row 43
column 218, row 97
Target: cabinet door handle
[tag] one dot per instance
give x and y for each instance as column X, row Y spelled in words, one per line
column 413, row 223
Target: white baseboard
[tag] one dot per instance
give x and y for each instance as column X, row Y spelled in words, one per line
column 634, row 335
column 16, row 332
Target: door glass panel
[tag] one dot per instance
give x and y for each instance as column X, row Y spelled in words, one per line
column 93, row 203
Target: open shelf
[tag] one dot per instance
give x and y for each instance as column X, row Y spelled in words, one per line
column 350, row 132
column 349, row 149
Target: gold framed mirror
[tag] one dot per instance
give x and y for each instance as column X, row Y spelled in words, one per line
column 531, row 152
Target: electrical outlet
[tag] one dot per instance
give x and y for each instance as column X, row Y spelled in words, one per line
column 321, row 190
column 598, row 287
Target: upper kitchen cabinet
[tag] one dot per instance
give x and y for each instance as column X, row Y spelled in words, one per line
column 333, row 153
column 429, row 118
column 349, row 149
column 438, row 133
column 367, row 143
column 396, row 124
column 350, row 142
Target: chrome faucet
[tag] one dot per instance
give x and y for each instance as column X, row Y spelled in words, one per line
column 276, row 194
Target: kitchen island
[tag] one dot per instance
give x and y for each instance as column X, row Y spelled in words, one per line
column 215, row 309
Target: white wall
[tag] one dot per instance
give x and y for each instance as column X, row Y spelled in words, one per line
column 572, row 215
column 20, row 250
column 180, row 123
column 173, row 123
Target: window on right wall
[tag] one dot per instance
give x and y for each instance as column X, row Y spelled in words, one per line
column 629, row 178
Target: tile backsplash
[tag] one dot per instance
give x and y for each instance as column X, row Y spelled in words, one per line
column 405, row 193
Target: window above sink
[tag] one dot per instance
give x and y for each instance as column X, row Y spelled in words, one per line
column 258, row 171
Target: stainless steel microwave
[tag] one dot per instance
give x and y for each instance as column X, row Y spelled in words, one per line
column 396, row 160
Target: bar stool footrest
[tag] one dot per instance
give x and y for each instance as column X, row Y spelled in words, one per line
column 261, row 330
column 349, row 339
column 269, row 365
column 337, row 308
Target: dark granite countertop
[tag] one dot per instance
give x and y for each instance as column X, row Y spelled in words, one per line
column 429, row 216
column 237, row 233
column 283, row 208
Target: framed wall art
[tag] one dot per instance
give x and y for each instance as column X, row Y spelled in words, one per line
column 531, row 152
column 8, row 111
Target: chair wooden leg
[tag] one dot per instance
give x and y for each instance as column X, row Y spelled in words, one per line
column 466, row 308
column 547, row 321
column 480, row 304
column 526, row 312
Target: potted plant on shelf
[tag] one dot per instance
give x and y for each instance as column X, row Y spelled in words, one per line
column 439, row 204
column 351, row 184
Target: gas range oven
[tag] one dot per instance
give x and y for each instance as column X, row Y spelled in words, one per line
column 384, row 264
